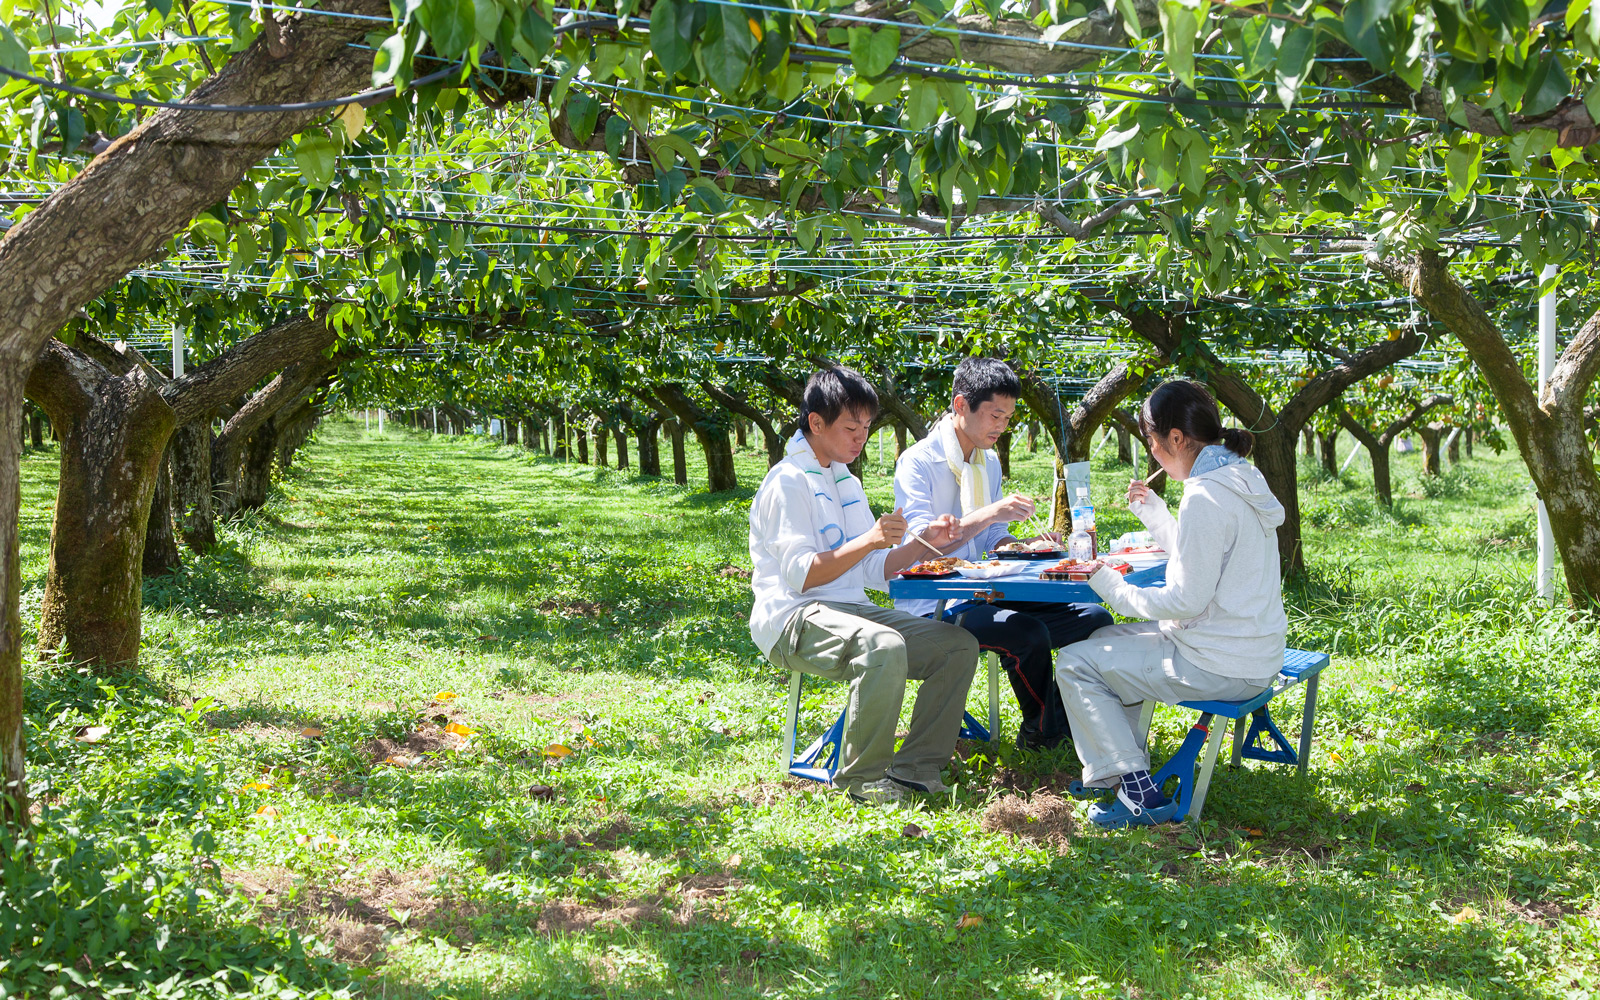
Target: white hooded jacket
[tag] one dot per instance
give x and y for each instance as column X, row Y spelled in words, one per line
column 1222, row 603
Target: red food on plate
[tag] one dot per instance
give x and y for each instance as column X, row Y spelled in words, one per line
column 1066, row 569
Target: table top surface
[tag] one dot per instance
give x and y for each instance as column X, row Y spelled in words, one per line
column 1022, row 585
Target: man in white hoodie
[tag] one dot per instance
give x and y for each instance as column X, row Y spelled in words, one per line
column 1217, row 626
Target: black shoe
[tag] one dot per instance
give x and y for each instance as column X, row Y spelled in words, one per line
column 1029, row 738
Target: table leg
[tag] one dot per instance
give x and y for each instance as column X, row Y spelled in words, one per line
column 994, row 696
column 1308, row 720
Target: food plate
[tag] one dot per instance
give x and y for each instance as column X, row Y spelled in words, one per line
column 1066, row 569
column 914, row 575
column 987, row 570
column 933, row 569
column 1017, row 554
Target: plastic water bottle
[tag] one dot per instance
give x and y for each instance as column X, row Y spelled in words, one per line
column 1081, row 544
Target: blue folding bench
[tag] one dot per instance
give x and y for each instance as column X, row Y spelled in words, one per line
column 812, row 764
column 1299, row 667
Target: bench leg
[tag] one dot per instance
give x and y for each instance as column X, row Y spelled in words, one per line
column 1307, row 721
column 994, row 696
column 791, row 721
column 1147, row 715
column 1238, row 741
column 1207, row 765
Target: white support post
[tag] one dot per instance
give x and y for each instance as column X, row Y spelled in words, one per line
column 880, row 447
column 1546, row 580
column 366, row 421
column 177, row 351
column 1352, row 457
column 436, row 420
column 380, row 420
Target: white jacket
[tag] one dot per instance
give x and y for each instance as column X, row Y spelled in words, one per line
column 1222, row 603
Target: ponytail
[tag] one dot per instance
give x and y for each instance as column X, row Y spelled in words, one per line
column 1238, row 440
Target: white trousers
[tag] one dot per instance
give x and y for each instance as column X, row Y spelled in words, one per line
column 1104, row 681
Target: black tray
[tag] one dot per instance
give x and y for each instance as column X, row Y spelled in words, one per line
column 1055, row 554
column 928, row 576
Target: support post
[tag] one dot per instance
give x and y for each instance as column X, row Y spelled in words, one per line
column 177, row 351
column 1546, row 580
column 380, row 420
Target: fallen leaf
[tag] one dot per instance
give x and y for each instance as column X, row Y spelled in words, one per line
column 1251, row 831
column 488, row 638
column 311, row 733
column 458, row 729
column 444, row 696
column 1416, row 786
column 969, row 920
column 315, row 841
column 912, row 830
column 558, row 750
column 736, row 861
column 1334, row 757
column 257, row 786
column 398, row 760
column 542, row 792
column 269, row 812
column 590, row 740
column 1467, row 913
column 94, row 734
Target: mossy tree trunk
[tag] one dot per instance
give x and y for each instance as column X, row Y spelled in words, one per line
column 710, row 429
column 1378, row 442
column 1329, row 442
column 160, row 541
column 190, row 456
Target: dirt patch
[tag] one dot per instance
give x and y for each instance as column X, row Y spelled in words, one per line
column 357, row 918
column 427, row 740
column 565, row 917
column 733, row 572
column 765, row 793
column 1043, row 817
column 573, row 609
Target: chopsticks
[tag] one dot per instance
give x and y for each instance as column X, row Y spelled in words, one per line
column 929, row 545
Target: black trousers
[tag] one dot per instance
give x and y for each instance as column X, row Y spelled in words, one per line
column 1023, row 633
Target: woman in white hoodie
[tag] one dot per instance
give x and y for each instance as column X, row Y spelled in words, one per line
column 1216, row 628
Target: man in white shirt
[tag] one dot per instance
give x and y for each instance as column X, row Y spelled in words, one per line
column 953, row 472
column 815, row 548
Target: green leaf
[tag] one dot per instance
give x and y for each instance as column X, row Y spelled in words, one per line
column 1461, row 167
column 728, row 56
column 316, row 156
column 671, row 24
column 857, row 228
column 13, row 54
column 486, row 19
column 1295, row 54
column 1548, row 87
column 922, row 104
column 1260, row 45
column 390, row 58
column 536, row 32
column 1361, row 30
column 582, row 113
column 1179, row 24
column 873, row 52
column 451, row 24
column 710, row 198
column 805, row 232
column 616, row 131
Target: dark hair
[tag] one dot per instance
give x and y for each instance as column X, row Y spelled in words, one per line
column 1189, row 407
column 979, row 380
column 832, row 391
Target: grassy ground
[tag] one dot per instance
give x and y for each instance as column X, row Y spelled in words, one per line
column 479, row 724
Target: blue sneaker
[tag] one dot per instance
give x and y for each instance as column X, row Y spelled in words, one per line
column 1126, row 812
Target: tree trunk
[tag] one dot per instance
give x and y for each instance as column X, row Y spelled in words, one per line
column 13, row 758
column 1124, row 446
column 650, row 450
column 582, row 436
column 190, row 454
column 711, row 432
column 680, row 463
column 1430, row 434
column 1466, row 441
column 1002, row 447
column 160, row 543
column 228, row 451
column 899, row 441
column 1330, row 451
column 621, row 435
column 739, row 434
column 600, row 449
column 255, row 471
column 530, row 434
column 1309, row 440
column 1377, row 446
column 1452, row 446
column 36, row 428
column 114, row 430
column 510, row 426
column 1033, row 437
column 774, row 437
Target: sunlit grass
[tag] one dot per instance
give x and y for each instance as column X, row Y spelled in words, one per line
column 1443, row 845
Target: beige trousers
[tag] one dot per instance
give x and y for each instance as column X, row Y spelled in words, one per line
column 876, row 650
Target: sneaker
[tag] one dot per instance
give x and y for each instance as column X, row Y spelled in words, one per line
column 932, row 787
column 1123, row 811
column 879, row 793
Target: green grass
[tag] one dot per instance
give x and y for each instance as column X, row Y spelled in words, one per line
column 1443, row 844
